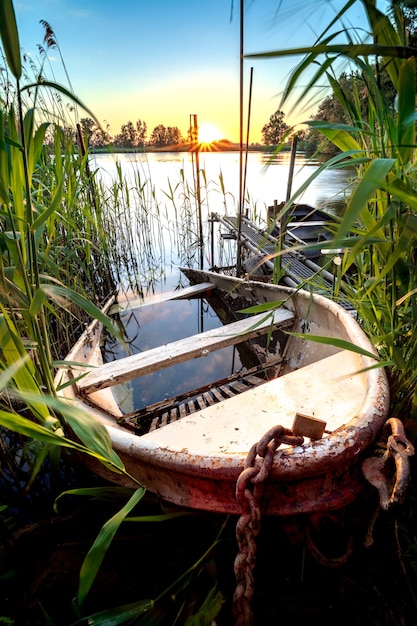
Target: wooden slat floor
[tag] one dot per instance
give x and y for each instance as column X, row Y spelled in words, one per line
column 152, row 417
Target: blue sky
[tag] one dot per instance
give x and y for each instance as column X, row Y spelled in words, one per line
column 162, row 60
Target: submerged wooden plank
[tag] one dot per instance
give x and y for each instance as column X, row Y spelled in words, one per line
column 132, row 302
column 200, row 402
column 227, row 391
column 208, row 398
column 217, row 395
column 182, row 350
column 239, row 386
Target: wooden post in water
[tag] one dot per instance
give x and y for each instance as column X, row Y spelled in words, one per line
column 194, row 137
column 247, row 134
column 292, row 163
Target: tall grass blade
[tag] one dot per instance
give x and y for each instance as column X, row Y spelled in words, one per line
column 97, row 552
column 406, row 118
column 10, row 37
column 372, row 180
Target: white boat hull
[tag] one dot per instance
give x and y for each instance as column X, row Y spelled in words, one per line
column 196, row 461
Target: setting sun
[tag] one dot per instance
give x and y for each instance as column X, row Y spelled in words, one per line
column 207, row 133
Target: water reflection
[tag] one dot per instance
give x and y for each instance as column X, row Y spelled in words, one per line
column 155, row 325
column 267, row 176
column 156, row 230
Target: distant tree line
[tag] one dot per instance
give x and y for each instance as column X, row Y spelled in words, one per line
column 131, row 135
column 332, row 111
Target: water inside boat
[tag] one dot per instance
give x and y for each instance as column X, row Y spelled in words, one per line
column 146, row 327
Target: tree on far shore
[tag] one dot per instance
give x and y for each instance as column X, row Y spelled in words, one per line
column 274, row 130
column 165, row 136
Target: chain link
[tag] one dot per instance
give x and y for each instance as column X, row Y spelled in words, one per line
column 396, row 448
column 249, row 490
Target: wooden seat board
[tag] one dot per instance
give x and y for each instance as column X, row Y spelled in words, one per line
column 179, row 351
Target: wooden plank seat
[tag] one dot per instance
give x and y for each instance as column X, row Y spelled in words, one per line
column 182, row 350
column 166, row 411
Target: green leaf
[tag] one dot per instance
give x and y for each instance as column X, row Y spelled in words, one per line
column 406, row 117
column 259, row 308
column 338, row 343
column 92, row 433
column 4, row 166
column 54, row 205
column 101, row 494
column 10, row 37
column 408, row 234
column 97, row 552
column 65, row 92
column 387, row 39
column 24, row 377
column 402, row 190
column 119, row 615
column 208, row 611
column 10, row 371
column 340, row 137
column 373, row 179
column 57, row 291
column 37, row 302
column 94, row 437
column 22, row 425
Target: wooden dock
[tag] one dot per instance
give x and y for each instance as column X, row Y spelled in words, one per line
column 298, row 270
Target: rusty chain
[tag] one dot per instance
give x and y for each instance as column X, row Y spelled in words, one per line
column 396, row 449
column 249, row 490
column 393, row 449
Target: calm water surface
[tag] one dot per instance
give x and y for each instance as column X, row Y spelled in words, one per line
column 266, row 177
column 167, row 189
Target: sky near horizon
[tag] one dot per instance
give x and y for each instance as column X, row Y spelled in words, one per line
column 163, row 60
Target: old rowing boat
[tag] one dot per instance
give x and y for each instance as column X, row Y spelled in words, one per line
column 325, row 405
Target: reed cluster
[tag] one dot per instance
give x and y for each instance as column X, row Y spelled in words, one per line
column 378, row 228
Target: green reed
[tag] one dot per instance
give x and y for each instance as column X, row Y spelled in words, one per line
column 54, row 269
column 378, row 228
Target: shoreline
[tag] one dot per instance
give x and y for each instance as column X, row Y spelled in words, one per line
column 214, row 147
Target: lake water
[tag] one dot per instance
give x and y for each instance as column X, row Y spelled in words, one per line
column 146, row 327
column 165, row 182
